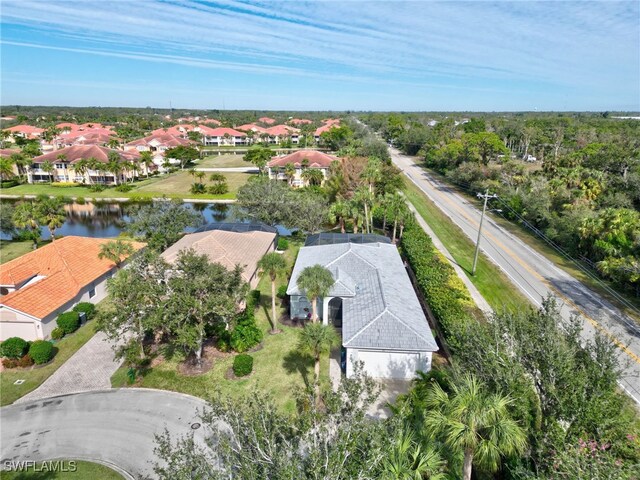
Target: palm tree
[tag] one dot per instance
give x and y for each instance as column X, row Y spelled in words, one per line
column 81, row 167
column 146, row 159
column 21, row 162
column 408, row 460
column 365, row 198
column 47, row 167
column 355, row 213
column 117, row 251
column 272, row 264
column 6, row 168
column 338, row 212
column 113, row 143
column 371, row 174
column 313, row 176
column 62, row 158
column 26, row 215
column 289, row 172
column 4, row 135
column 396, row 209
column 317, row 339
column 315, row 281
column 200, row 175
column 114, row 165
column 51, row 213
column 473, row 422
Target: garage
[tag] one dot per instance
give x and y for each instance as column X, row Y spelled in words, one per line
column 25, row 330
column 389, row 364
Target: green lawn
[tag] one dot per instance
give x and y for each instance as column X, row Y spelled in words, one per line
column 82, row 471
column 181, row 182
column 10, row 250
column 223, row 161
column 278, row 368
column 492, row 283
column 33, row 377
column 173, row 185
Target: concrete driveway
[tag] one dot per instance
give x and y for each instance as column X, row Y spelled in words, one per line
column 113, row 427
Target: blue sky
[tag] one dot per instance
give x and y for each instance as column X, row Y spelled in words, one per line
column 384, row 55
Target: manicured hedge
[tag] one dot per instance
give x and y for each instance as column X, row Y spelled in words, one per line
column 8, row 183
column 68, row 322
column 41, row 351
column 14, row 347
column 87, row 307
column 445, row 293
column 283, row 243
column 282, row 291
column 242, row 365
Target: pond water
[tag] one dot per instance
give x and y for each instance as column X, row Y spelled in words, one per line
column 107, row 220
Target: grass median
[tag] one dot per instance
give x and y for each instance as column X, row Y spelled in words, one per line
column 490, row 281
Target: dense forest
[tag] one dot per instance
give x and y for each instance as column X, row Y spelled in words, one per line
column 575, row 178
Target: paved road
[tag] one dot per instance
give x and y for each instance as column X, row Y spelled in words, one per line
column 533, row 274
column 74, row 376
column 114, row 427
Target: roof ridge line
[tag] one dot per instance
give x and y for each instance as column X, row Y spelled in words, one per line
column 64, row 261
column 367, row 325
column 407, row 325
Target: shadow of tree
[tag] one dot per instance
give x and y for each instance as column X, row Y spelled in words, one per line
column 297, row 362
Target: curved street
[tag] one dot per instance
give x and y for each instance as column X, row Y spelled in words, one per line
column 534, row 274
column 113, row 427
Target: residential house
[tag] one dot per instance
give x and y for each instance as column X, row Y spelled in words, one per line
column 89, row 137
column 279, row 133
column 221, row 136
column 66, row 160
column 328, row 125
column 24, row 131
column 229, row 245
column 300, row 160
column 372, row 304
column 267, row 120
column 38, row 286
column 158, row 144
column 300, row 121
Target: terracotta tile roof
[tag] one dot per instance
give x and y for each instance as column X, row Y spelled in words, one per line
column 267, row 120
column 251, row 126
column 316, row 159
column 227, row 248
column 67, row 266
column 85, row 138
column 220, row 131
column 325, row 128
column 160, row 139
column 26, row 129
column 176, row 130
column 79, row 152
column 282, row 130
column 300, row 121
column 7, row 152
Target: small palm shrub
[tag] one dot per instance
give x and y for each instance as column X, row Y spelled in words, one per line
column 14, row 347
column 41, row 351
column 68, row 322
column 198, row 188
column 219, row 188
column 242, row 365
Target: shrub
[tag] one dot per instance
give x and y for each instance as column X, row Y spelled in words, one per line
column 64, row 184
column 9, row 362
column 41, row 351
column 97, row 188
column 124, row 187
column 242, row 365
column 198, row 188
column 8, row 183
column 282, row 291
column 87, row 307
column 219, row 188
column 246, row 334
column 14, row 347
column 255, row 297
column 80, row 200
column 283, row 243
column 57, row 333
column 69, row 322
column 25, row 361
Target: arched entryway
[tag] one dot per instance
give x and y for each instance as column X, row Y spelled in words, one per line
column 335, row 312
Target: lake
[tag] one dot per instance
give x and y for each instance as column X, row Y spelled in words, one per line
column 107, row 220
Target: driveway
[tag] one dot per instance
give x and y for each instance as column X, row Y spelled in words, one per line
column 114, row 427
column 90, row 368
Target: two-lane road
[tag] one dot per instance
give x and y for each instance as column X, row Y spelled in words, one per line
column 535, row 275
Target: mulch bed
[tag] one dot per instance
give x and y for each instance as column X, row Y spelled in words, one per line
column 210, row 353
column 292, row 322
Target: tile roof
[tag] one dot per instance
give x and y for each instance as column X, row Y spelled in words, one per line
column 267, row 120
column 325, row 128
column 160, row 139
column 220, row 131
column 316, row 159
column 26, row 129
column 67, row 265
column 7, row 152
column 251, row 126
column 86, row 138
column 226, row 247
column 380, row 309
column 282, row 130
column 300, row 121
column 78, row 152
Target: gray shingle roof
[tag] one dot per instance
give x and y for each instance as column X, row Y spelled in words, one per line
column 384, row 312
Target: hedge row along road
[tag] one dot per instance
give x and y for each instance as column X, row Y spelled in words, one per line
column 534, row 275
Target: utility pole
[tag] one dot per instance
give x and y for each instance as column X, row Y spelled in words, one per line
column 486, row 197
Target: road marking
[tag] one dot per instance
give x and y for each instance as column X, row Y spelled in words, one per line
column 534, row 273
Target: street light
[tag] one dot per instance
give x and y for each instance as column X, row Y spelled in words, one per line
column 486, row 197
